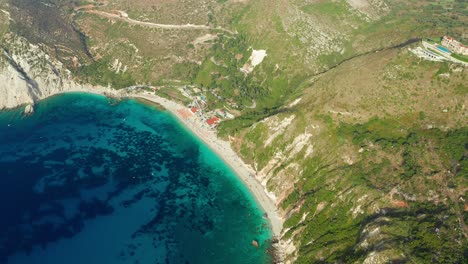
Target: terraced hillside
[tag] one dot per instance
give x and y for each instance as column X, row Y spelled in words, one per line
column 364, row 144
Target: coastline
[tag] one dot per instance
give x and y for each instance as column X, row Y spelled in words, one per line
column 222, row 148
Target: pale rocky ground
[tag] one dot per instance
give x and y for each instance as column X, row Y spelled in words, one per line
column 282, row 169
column 28, row 74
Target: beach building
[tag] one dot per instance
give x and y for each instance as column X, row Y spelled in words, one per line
column 213, row 122
column 194, row 110
column 454, row 45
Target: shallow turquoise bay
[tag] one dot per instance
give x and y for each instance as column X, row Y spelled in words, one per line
column 89, row 180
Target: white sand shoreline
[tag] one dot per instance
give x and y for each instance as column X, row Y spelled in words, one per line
column 222, row 148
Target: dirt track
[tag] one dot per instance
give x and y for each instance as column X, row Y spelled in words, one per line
column 123, row 17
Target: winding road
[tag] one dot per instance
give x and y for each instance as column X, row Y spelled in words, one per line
column 124, row 17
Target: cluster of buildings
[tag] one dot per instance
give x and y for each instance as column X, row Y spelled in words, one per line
column 442, row 51
column 212, row 118
column 454, row 45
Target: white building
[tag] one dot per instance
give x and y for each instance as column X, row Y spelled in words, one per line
column 454, row 45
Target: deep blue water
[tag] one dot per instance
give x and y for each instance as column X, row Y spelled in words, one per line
column 88, row 180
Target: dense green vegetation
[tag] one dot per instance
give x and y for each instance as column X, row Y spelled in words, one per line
column 403, row 173
column 266, row 85
column 460, row 57
column 334, row 205
column 266, row 88
column 222, row 71
column 247, row 119
column 395, row 156
column 99, row 73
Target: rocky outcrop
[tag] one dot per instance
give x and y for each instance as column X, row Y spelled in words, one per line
column 29, row 109
column 28, row 74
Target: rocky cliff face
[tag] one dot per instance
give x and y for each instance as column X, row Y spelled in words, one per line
column 364, row 147
column 28, row 74
column 364, row 173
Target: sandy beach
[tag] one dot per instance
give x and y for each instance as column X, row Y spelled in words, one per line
column 209, row 137
column 225, row 151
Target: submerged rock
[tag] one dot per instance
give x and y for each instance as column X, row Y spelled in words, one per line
column 255, row 243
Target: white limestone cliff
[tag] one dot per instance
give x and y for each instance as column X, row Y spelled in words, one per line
column 28, row 74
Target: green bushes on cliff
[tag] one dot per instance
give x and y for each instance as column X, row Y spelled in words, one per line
column 394, row 200
column 99, row 73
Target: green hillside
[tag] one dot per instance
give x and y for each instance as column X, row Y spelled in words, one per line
column 364, row 144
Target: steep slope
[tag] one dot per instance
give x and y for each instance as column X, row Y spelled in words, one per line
column 47, row 23
column 364, row 145
column 369, row 164
column 29, row 74
column 39, row 46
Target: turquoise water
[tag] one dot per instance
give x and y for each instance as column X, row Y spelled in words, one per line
column 89, row 180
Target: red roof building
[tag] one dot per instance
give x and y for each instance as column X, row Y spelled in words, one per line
column 194, row 109
column 212, row 121
column 454, row 45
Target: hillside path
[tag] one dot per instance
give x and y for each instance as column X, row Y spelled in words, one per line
column 124, row 17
